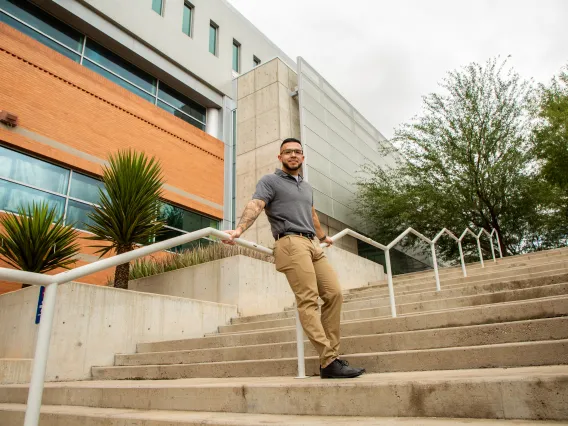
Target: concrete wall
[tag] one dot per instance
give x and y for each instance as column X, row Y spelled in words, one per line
column 93, row 323
column 15, row 371
column 266, row 115
column 352, row 270
column 253, row 285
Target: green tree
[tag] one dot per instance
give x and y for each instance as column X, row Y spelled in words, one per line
column 464, row 162
column 551, row 141
column 35, row 241
column 127, row 215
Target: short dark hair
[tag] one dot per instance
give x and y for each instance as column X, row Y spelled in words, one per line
column 289, row 140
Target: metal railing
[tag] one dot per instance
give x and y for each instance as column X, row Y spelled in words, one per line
column 52, row 281
column 432, row 243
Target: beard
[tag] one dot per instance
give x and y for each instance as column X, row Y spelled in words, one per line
column 292, row 168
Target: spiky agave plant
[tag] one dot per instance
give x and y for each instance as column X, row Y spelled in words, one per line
column 35, row 240
column 128, row 209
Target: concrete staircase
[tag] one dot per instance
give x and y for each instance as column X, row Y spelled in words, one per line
column 493, row 345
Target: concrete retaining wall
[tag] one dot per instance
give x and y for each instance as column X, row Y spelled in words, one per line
column 93, row 323
column 253, row 285
column 15, row 371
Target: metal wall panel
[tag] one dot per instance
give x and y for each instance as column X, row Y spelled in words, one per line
column 338, row 142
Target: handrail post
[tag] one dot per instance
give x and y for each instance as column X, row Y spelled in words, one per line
column 435, row 262
column 37, row 381
column 499, row 244
column 300, row 346
column 389, row 282
column 492, row 248
column 462, row 259
column 480, row 252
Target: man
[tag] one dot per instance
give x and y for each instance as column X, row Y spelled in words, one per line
column 288, row 202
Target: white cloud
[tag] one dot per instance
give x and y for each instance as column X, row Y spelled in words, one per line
column 383, row 56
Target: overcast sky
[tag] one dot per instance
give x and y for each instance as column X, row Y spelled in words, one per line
column 383, row 56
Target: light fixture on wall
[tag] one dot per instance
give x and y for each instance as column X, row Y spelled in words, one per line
column 9, row 119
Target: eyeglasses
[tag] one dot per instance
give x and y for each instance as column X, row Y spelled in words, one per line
column 292, row 151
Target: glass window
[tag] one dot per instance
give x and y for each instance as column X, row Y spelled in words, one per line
column 117, row 65
column 187, row 18
column 185, row 220
column 256, row 61
column 180, row 218
column 42, row 39
column 119, row 81
column 44, row 22
column 166, row 234
column 236, row 56
column 85, row 188
column 77, row 214
column 34, row 172
column 213, row 38
column 13, row 196
column 176, row 99
column 181, row 115
column 158, row 6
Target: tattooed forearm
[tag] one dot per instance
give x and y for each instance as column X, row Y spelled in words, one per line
column 319, row 232
column 252, row 210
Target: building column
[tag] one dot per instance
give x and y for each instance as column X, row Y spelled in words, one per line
column 212, row 124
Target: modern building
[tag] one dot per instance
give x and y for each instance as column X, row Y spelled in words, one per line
column 194, row 84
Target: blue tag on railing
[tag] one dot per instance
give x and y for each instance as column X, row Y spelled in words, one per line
column 39, row 304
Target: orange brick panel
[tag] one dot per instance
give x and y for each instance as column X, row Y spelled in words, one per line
column 59, row 99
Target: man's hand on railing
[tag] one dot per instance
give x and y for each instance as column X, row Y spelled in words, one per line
column 235, row 233
column 327, row 240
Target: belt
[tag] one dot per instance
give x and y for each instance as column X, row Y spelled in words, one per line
column 308, row 235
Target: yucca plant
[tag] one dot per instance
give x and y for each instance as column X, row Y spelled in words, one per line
column 128, row 209
column 34, row 240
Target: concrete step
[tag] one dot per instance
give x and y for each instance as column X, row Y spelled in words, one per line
column 507, row 332
column 491, row 266
column 457, row 273
column 428, row 286
column 409, row 297
column 502, row 273
column 550, row 352
column 515, row 393
column 485, row 314
column 53, row 415
column 456, row 291
column 473, row 267
column 429, row 305
column 549, row 277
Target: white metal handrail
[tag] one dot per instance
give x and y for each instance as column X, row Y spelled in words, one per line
column 48, row 309
column 52, row 281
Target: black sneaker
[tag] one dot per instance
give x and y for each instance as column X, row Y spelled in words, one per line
column 340, row 369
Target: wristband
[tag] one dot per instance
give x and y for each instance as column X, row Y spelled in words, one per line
column 322, row 238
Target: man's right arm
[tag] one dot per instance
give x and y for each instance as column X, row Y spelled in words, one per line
column 251, row 212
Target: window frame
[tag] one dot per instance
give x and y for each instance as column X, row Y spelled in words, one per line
column 191, row 7
column 162, row 7
column 215, row 27
column 236, row 48
column 256, row 61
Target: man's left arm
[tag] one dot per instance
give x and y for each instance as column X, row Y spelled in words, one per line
column 322, row 237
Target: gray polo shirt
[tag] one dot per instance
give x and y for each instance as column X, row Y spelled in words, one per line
column 288, row 202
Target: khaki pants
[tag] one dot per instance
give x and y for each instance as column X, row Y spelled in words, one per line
column 309, row 275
